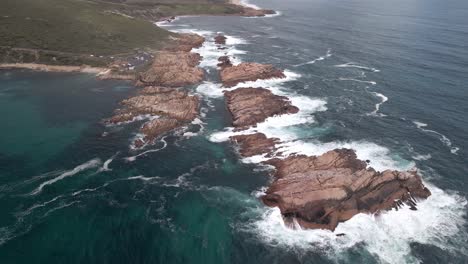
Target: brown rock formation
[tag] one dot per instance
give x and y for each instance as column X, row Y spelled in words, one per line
column 174, row 107
column 320, row 192
column 185, row 42
column 249, row 71
column 220, row 40
column 173, row 69
column 250, row 106
column 224, row 62
column 254, row 144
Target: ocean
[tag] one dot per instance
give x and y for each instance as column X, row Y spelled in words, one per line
column 388, row 79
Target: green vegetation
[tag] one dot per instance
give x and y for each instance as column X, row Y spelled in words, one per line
column 75, row 32
column 73, row 26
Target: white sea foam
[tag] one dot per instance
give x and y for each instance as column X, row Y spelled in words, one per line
column 321, row 58
column 444, row 139
column 377, row 106
column 387, row 236
column 210, row 51
column 87, row 165
column 357, row 80
column 379, row 156
column 105, row 166
column 246, row 3
column 210, row 89
column 422, row 157
column 354, row 65
column 133, row 158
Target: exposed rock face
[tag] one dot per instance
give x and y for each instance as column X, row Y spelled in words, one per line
column 173, row 69
column 220, row 40
column 255, row 144
column 250, row 106
column 320, row 192
column 185, row 42
column 249, row 71
column 224, row 62
column 174, row 107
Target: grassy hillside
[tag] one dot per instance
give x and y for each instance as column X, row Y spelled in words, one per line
column 73, row 26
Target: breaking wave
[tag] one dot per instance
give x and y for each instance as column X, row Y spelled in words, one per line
column 445, row 140
column 354, row 65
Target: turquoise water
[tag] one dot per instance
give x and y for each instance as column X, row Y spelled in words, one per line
column 72, row 191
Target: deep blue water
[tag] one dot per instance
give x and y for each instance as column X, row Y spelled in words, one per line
column 195, row 201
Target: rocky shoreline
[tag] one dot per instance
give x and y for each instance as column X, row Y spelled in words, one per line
column 162, row 101
column 316, row 192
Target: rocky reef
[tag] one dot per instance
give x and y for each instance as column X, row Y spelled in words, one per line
column 250, row 106
column 248, row 71
column 311, row 191
column 166, row 108
column 162, row 102
column 321, row 191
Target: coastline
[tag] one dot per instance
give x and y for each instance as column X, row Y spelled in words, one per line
column 54, row 68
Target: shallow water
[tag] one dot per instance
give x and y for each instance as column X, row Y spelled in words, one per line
column 386, row 79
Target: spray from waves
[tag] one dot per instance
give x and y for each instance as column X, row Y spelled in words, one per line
column 445, row 140
column 438, row 221
column 377, row 106
column 321, row 58
column 85, row 166
column 133, row 158
column 354, row 65
column 357, row 80
column 210, row 51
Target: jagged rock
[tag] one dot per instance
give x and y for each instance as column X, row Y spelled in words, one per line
column 224, row 62
column 320, row 192
column 155, row 128
column 174, row 107
column 249, row 71
column 251, row 12
column 185, row 42
column 173, row 69
column 250, row 106
column 254, row 144
column 220, row 40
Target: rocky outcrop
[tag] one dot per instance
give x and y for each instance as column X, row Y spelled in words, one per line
column 185, row 42
column 320, row 192
column 254, row 144
column 220, row 40
column 224, row 62
column 173, row 69
column 250, row 106
column 249, row 71
column 313, row 191
column 167, row 109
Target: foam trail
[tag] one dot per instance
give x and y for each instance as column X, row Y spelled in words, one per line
column 445, row 140
column 354, row 65
column 357, row 80
column 133, row 158
column 87, row 165
column 377, row 106
column 439, row 221
column 329, row 54
column 105, row 166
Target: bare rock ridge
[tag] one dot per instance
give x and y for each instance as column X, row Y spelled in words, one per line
column 167, row 109
column 175, row 66
column 161, row 100
column 250, row 106
column 313, row 191
column 248, row 71
column 320, row 192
